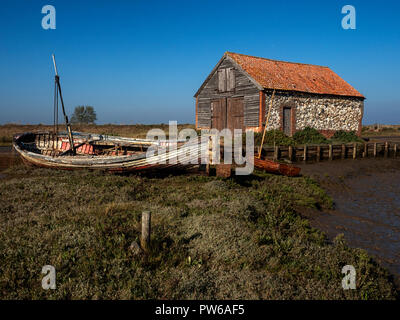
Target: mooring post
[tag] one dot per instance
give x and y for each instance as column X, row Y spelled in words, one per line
column 343, row 151
column 386, row 149
column 354, row 150
column 209, row 155
column 330, row 152
column 146, row 229
column 290, row 153
column 318, row 153
column 375, row 150
column 305, row 153
column 276, row 153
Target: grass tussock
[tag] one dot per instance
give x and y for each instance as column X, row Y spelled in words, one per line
column 241, row 238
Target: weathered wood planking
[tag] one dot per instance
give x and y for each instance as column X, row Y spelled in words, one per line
column 239, row 85
column 331, row 151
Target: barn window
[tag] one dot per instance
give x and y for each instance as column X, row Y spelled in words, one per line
column 222, row 80
column 230, row 79
column 226, row 80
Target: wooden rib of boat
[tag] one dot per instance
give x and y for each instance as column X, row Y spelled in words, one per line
column 109, row 153
column 276, row 167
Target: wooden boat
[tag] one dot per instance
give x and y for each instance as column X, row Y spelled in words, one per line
column 75, row 150
column 276, row 167
column 108, row 153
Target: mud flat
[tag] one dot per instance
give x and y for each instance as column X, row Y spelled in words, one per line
column 366, row 195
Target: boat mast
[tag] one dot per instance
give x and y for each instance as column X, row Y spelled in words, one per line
column 67, row 123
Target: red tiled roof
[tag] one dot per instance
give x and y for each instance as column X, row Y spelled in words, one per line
column 281, row 75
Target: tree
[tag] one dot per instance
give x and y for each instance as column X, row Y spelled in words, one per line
column 84, row 115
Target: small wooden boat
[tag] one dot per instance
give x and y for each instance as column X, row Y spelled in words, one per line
column 108, row 153
column 276, row 167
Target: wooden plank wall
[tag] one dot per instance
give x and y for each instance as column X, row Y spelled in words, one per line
column 251, row 110
column 243, row 88
column 332, row 151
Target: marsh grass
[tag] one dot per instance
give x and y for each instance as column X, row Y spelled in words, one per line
column 7, row 131
column 380, row 130
column 240, row 238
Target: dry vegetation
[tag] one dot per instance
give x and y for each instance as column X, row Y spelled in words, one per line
column 381, row 130
column 7, row 131
column 212, row 239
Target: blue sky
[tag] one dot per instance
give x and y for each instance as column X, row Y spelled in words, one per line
column 142, row 61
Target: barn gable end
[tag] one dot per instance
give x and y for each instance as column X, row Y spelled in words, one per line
column 243, row 87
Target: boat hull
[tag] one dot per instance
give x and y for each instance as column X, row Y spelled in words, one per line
column 99, row 152
column 276, row 167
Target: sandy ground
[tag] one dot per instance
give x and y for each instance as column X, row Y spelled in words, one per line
column 366, row 195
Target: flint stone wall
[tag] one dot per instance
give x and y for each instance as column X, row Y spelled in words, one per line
column 325, row 113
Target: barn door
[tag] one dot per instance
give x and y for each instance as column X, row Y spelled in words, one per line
column 218, row 114
column 287, row 121
column 235, row 114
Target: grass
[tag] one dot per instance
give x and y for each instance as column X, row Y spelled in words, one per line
column 380, row 130
column 7, row 131
column 5, row 141
column 345, row 137
column 309, row 136
column 240, row 238
column 272, row 137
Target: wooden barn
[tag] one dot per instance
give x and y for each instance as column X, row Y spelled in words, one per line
column 237, row 94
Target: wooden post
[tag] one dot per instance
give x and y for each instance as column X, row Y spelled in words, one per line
column 266, row 123
column 395, row 150
column 330, row 152
column 365, row 153
column 386, row 149
column 305, row 153
column 209, row 154
column 290, row 152
column 276, row 153
column 343, row 151
column 146, row 222
column 354, row 150
column 375, row 150
column 318, row 153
